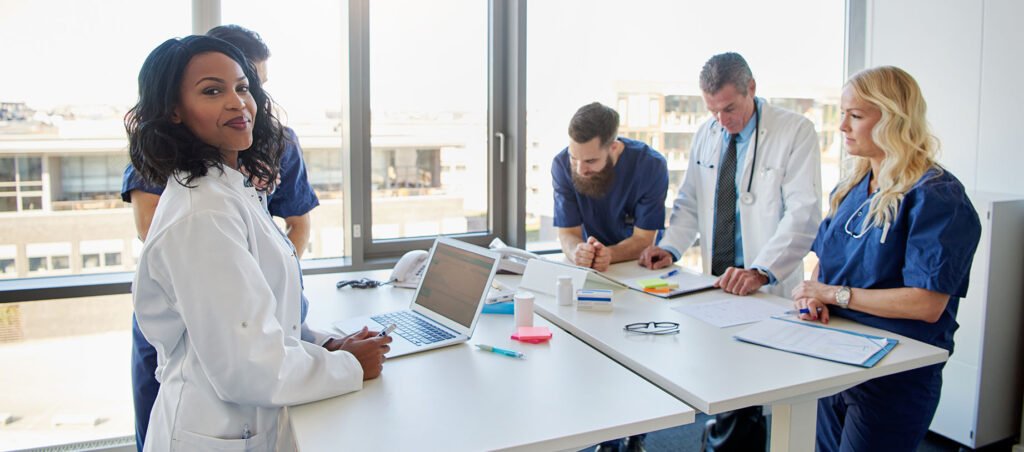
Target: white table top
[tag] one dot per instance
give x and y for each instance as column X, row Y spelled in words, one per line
column 563, row 395
column 703, row 365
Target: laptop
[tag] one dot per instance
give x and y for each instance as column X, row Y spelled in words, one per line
column 447, row 303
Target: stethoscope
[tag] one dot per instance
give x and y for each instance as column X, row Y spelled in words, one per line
column 747, row 197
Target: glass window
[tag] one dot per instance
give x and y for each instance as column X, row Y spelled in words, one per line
column 428, row 99
column 306, row 82
column 8, row 203
column 38, row 264
column 7, row 266
column 90, row 260
column 65, row 360
column 60, row 262
column 111, row 259
column 30, row 169
column 651, row 78
column 7, row 169
column 70, row 73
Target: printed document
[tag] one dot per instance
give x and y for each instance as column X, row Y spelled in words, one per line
column 731, row 311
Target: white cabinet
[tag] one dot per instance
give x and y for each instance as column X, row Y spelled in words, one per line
column 982, row 382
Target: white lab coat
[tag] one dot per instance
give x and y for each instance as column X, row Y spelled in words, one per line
column 779, row 226
column 217, row 292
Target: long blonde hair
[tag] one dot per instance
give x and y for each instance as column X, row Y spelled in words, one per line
column 902, row 134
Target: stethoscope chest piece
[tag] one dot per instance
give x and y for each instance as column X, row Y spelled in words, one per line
column 747, row 198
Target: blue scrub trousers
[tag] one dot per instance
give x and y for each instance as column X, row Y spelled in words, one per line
column 144, row 384
column 889, row 413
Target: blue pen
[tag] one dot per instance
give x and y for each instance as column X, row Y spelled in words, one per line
column 670, row 274
column 500, row 351
column 801, row 311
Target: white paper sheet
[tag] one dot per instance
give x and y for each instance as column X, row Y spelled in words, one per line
column 731, row 311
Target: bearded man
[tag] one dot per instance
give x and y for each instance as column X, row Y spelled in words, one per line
column 609, row 191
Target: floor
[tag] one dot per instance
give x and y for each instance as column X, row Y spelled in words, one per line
column 686, row 438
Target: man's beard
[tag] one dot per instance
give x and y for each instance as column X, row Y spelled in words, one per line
column 598, row 184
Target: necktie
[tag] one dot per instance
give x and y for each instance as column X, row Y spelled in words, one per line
column 723, row 247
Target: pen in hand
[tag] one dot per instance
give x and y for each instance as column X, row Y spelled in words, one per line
column 387, row 330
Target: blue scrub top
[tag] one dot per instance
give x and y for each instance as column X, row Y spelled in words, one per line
column 293, row 197
column 930, row 245
column 637, row 196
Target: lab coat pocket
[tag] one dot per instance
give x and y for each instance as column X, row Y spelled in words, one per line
column 771, row 185
column 189, row 441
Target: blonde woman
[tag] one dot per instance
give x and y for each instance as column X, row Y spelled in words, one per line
column 894, row 252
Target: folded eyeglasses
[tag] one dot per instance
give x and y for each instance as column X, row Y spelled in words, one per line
column 652, row 328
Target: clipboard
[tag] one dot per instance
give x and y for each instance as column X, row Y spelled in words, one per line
column 766, row 334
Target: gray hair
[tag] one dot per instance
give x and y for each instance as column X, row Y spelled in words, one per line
column 723, row 69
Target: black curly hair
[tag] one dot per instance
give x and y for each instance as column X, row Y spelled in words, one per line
column 159, row 147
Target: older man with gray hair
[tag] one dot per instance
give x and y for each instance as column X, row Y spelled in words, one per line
column 752, row 192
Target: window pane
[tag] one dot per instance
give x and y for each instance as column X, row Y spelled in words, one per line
column 65, row 361
column 428, row 98
column 61, row 262
column 111, row 259
column 31, row 203
column 70, row 73
column 7, row 267
column 30, row 169
column 90, row 260
column 36, row 264
column 305, row 80
column 6, row 169
column 651, row 78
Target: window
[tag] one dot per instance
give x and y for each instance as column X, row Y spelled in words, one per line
column 429, row 106
column 651, row 78
column 63, row 144
column 307, row 47
column 21, row 183
column 69, row 74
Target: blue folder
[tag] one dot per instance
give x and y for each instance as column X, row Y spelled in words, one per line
column 890, row 343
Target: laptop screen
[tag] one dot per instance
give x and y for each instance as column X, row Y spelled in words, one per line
column 455, row 282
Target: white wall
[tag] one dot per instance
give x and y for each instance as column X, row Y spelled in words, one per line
column 966, row 55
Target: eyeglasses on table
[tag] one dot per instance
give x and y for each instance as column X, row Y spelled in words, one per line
column 652, row 328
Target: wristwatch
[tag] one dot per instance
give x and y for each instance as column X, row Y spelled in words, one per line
column 843, row 297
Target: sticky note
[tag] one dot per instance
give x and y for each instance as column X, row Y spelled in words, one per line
column 652, row 282
column 532, row 334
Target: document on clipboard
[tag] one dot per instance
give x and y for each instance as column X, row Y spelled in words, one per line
column 672, row 283
column 800, row 337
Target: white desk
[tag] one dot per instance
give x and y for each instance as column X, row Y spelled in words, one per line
column 563, row 395
column 708, row 369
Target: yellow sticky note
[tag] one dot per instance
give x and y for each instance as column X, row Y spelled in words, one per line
column 652, row 282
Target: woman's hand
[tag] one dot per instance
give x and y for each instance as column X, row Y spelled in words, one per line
column 367, row 347
column 811, row 309
column 815, row 298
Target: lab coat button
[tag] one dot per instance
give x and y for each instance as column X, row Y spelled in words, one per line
column 295, row 327
column 245, row 324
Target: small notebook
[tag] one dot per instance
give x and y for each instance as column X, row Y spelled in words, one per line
column 805, row 338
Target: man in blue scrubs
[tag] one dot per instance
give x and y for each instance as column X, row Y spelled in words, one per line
column 292, row 199
column 609, row 191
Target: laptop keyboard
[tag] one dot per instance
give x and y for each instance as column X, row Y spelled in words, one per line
column 413, row 328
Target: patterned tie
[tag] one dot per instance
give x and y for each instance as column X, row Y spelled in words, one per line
column 723, row 247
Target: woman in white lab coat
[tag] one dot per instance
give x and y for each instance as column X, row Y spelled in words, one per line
column 217, row 290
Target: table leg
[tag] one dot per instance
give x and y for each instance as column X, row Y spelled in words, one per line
column 793, row 426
